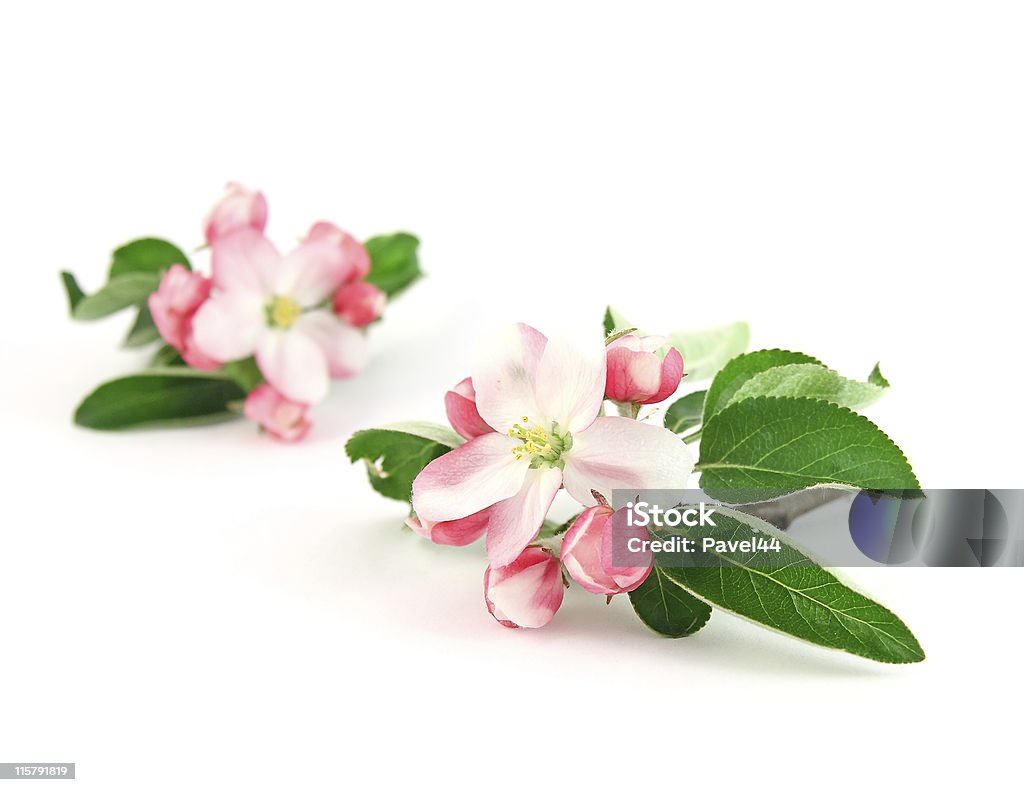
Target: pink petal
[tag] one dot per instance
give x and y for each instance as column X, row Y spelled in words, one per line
column 515, row 522
column 360, row 304
column 294, row 364
column 239, row 208
column 635, row 565
column 281, row 418
column 619, row 453
column 311, row 273
column 570, row 384
column 468, row 479
column 343, row 346
column 460, row 405
column 245, row 261
column 671, row 376
column 357, row 259
column 459, row 532
column 632, row 376
column 504, row 370
column 228, row 326
column 527, row 592
column 581, row 551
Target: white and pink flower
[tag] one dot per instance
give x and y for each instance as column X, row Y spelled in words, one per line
column 636, row 372
column 239, row 208
column 589, row 552
column 543, row 398
column 280, row 417
column 173, row 307
column 526, row 592
column 276, row 308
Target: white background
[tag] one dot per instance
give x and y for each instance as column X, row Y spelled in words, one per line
column 207, row 609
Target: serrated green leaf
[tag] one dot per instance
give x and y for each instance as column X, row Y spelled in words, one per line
column 812, row 381
column 394, row 261
column 159, row 397
column 740, row 369
column 119, row 293
column 876, row 378
column 685, row 413
column 143, row 331
column 395, row 454
column 788, row 592
column 765, row 447
column 72, row 289
column 666, row 607
column 706, row 351
column 147, row 255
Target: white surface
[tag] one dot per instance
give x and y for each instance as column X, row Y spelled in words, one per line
column 206, row 609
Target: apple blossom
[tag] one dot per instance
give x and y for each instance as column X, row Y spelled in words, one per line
column 273, row 307
column 526, row 592
column 352, row 250
column 239, row 208
column 587, row 552
column 637, row 375
column 359, row 303
column 173, row 306
column 460, row 405
column 544, row 398
column 463, row 531
column 280, row 417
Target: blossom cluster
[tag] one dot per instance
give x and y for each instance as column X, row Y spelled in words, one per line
column 532, row 415
column 300, row 317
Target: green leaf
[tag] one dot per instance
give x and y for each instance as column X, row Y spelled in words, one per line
column 143, row 331
column 394, row 262
column 788, row 592
column 165, row 356
column 876, row 378
column 159, row 397
column 395, row 454
column 811, row 381
column 119, row 293
column 73, row 290
column 148, row 255
column 668, row 608
column 740, row 369
column 706, row 351
column 613, row 321
column 685, row 413
column 765, row 447
column 245, row 372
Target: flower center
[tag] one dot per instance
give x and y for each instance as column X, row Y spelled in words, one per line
column 283, row 311
column 541, row 446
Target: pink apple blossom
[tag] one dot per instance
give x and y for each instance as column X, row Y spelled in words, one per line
column 463, row 531
column 526, row 592
column 637, row 375
column 543, row 398
column 173, row 306
column 275, row 307
column 359, row 303
column 280, row 417
column 355, row 255
column 239, row 208
column 460, row 404
column 587, row 552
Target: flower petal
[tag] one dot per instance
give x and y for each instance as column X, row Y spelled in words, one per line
column 463, row 531
column 570, row 384
column 619, row 453
column 228, row 326
column 527, row 592
column 245, row 260
column 311, row 272
column 504, row 371
column 515, row 522
column 344, row 346
column 671, row 376
column 468, row 479
column 460, row 406
column 294, row 364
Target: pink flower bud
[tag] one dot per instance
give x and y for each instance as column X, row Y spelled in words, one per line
column 280, row 417
column 460, row 404
column 527, row 592
column 239, row 208
column 359, row 303
column 463, row 531
column 173, row 305
column 637, row 375
column 589, row 549
column 357, row 260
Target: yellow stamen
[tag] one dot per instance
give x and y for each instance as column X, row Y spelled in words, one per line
column 283, row 312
